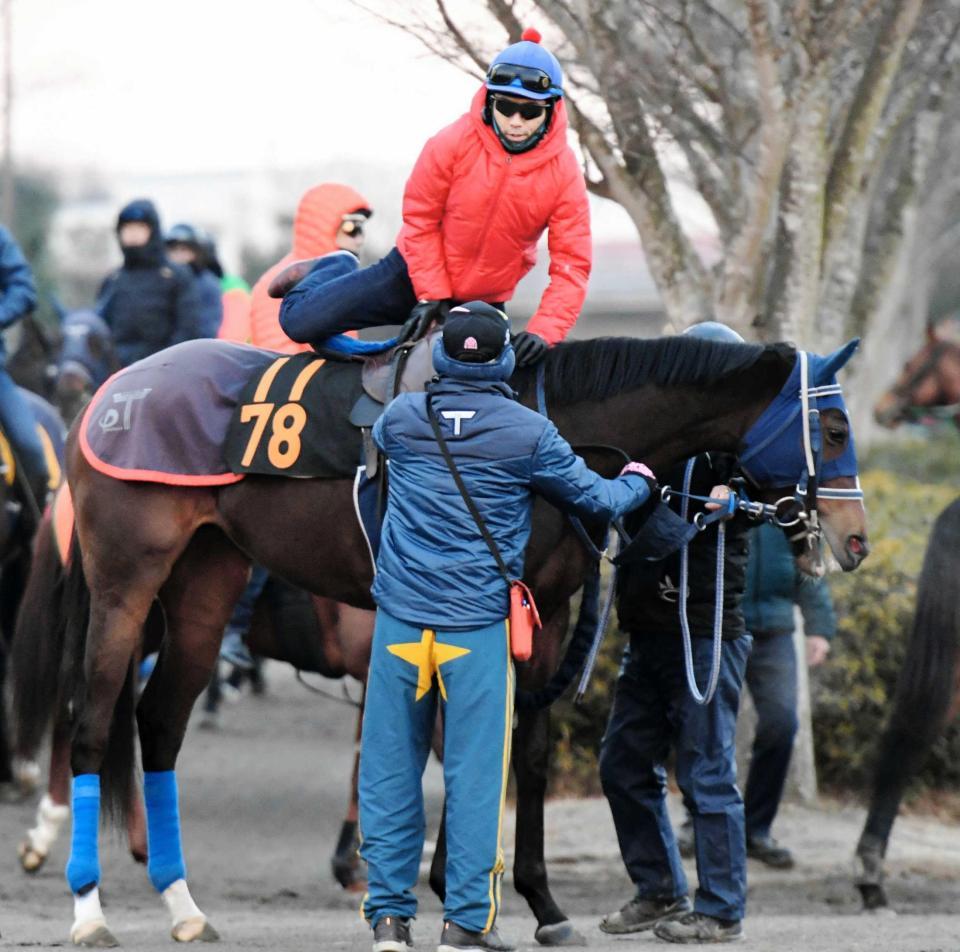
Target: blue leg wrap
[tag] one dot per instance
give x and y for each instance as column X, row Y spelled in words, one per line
column 83, row 867
column 165, row 863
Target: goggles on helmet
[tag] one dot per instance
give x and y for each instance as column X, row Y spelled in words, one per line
column 528, row 77
column 528, row 110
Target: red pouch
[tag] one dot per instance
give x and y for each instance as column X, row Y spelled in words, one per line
column 524, row 621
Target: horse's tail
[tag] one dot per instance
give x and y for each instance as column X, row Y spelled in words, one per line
column 117, row 768
column 37, row 647
column 926, row 685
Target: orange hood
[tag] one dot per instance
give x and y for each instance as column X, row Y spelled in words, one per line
column 319, row 216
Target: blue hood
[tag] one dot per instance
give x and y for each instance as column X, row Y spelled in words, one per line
column 773, row 448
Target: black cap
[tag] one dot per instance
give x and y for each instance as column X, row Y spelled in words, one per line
column 475, row 333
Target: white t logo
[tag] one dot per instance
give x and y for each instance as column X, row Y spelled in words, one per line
column 458, row 416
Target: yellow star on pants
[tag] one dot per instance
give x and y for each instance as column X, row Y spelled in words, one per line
column 427, row 656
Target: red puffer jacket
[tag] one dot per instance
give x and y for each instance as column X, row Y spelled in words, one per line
column 472, row 215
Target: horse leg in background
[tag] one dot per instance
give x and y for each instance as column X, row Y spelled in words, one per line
column 531, row 759
column 198, row 598
column 346, row 862
column 54, row 807
column 18, row 778
column 927, row 698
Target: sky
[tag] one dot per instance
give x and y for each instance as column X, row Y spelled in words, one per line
column 148, row 87
column 212, row 84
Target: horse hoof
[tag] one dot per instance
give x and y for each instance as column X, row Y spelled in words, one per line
column 874, row 897
column 93, row 935
column 559, row 933
column 196, row 929
column 31, row 859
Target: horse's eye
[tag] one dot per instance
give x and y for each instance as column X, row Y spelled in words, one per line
column 837, row 435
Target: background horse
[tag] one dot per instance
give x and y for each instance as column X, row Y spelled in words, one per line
column 928, row 388
column 926, row 701
column 660, row 400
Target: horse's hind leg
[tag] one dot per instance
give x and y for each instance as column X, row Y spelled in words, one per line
column 198, row 598
column 346, row 861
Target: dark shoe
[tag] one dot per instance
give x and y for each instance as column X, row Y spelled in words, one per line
column 696, row 928
column 234, row 651
column 454, row 938
column 685, row 840
column 641, row 914
column 768, row 851
column 392, row 934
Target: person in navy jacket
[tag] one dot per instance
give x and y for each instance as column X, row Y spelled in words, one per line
column 18, row 297
column 441, row 635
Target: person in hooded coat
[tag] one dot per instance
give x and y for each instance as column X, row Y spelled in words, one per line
column 482, row 193
column 149, row 302
column 188, row 245
column 329, row 218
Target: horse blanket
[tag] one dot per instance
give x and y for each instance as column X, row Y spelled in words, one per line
column 208, row 412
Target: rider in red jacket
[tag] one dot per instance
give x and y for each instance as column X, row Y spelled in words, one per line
column 480, row 196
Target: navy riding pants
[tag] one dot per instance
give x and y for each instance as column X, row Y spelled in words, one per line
column 322, row 305
column 652, row 712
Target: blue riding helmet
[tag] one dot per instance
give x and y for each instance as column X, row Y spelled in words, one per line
column 526, row 69
column 713, row 330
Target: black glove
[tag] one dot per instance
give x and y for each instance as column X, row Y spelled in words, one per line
column 529, row 348
column 421, row 317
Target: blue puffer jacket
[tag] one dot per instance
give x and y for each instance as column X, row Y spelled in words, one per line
column 774, row 586
column 18, row 295
column 434, row 569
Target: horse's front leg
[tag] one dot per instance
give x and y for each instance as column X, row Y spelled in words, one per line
column 346, row 861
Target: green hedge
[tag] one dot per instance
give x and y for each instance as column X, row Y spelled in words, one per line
column 852, row 693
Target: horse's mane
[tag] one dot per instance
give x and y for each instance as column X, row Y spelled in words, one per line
column 605, row 366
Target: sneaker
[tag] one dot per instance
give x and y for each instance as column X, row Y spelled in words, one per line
column 696, row 928
column 641, row 914
column 234, row 651
column 392, row 934
column 685, row 841
column 768, row 851
column 454, row 938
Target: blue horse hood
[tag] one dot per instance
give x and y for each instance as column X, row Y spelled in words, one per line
column 772, row 454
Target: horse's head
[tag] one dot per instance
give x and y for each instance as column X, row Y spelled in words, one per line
column 802, row 446
column 86, row 359
column 929, row 381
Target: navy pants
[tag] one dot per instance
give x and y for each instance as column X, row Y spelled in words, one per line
column 772, row 679
column 321, row 305
column 242, row 615
column 652, row 711
column 20, row 426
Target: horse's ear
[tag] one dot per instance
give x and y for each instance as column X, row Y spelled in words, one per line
column 835, row 361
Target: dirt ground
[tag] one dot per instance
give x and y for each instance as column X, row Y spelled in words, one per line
column 262, row 802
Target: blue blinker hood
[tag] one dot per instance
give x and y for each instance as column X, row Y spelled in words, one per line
column 773, row 453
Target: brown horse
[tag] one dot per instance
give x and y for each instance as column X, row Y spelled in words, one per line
column 926, row 701
column 928, row 388
column 659, row 400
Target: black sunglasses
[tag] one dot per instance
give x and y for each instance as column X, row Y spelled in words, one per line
column 527, row 110
column 505, row 74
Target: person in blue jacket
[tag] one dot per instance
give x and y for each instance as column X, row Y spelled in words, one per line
column 18, row 297
column 774, row 587
column 441, row 636
column 190, row 246
column 149, row 303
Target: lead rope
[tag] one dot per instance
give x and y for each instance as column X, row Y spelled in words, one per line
column 602, row 624
column 707, row 696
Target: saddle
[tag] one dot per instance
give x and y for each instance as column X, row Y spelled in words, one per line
column 406, row 368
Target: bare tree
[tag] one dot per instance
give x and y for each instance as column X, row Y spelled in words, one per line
column 807, row 127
